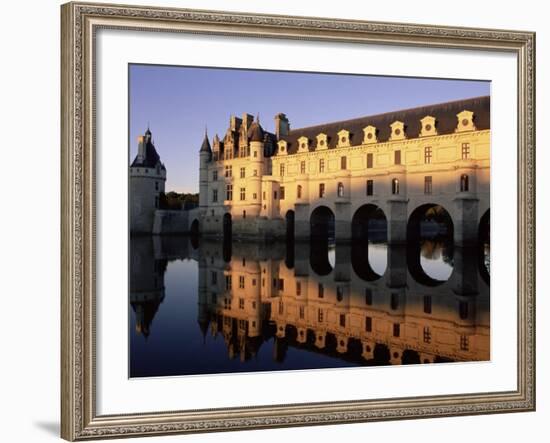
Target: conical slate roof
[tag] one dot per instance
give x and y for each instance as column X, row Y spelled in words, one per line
column 205, row 147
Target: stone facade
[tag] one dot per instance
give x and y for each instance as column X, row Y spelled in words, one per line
column 398, row 162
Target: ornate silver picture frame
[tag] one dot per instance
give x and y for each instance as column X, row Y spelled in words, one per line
column 80, row 24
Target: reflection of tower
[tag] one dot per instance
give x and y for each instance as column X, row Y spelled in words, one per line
column 203, row 315
column 146, row 282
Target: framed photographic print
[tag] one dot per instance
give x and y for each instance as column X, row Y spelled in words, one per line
column 283, row 221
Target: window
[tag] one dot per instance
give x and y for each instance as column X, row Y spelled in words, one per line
column 255, row 173
column 463, row 310
column 396, row 329
column 368, row 296
column 229, row 192
column 241, row 281
column 274, row 195
column 241, row 303
column 395, row 186
column 156, row 202
column 368, row 324
column 369, row 160
column 243, row 194
column 282, row 169
column 464, row 183
column 397, row 157
column 302, row 312
column 370, row 187
column 394, row 301
column 427, row 334
column 228, row 282
column 263, row 195
column 215, row 175
column 339, row 293
column 255, row 196
column 243, row 172
column 465, row 151
column 322, row 165
column 282, row 191
column 281, row 308
column 214, row 277
column 156, row 186
column 255, row 154
column 340, row 189
column 428, row 184
column 343, row 320
column 320, row 316
column 427, row 304
column 298, row 288
column 281, row 284
column 321, row 190
column 464, row 345
column 302, row 167
column 321, row 290
column 228, row 171
column 254, row 283
column 428, row 154
column 343, row 163
column 299, row 191
column 214, row 195
column 244, row 214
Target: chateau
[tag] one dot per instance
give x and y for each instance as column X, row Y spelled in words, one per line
column 254, row 183
column 332, row 178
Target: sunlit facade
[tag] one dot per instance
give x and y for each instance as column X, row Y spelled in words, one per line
column 260, row 182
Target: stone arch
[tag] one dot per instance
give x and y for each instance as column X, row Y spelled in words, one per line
column 289, row 223
column 369, row 223
column 227, row 225
column 428, row 221
column 194, row 229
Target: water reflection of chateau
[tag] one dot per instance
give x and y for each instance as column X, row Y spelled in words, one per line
column 300, row 300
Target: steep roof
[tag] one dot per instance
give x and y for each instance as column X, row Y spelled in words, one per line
column 205, row 147
column 444, row 113
column 151, row 157
column 255, row 133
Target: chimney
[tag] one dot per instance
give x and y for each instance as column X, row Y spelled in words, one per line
column 282, row 125
column 247, row 120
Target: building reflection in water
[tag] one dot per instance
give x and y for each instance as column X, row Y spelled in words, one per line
column 215, row 307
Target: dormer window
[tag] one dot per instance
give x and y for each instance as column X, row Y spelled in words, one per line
column 282, row 144
column 369, row 135
column 343, row 138
column 303, row 144
column 322, row 141
column 397, row 130
column 465, row 121
column 427, row 126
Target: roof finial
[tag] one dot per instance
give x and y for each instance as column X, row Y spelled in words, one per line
column 258, row 117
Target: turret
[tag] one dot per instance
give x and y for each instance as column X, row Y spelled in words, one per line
column 205, row 154
column 147, row 180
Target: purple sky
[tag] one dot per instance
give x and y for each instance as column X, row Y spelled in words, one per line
column 177, row 103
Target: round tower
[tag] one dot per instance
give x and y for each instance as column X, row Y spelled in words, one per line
column 256, row 137
column 205, row 154
column 147, row 181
